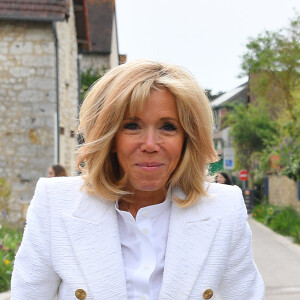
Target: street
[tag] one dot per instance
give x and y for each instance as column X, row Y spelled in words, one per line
column 278, row 260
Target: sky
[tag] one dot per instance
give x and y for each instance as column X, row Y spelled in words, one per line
column 207, row 37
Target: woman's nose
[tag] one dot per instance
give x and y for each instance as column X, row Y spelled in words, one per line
column 150, row 141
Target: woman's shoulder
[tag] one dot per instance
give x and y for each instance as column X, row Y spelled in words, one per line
column 226, row 197
column 62, row 188
column 60, row 182
column 212, row 187
column 215, row 192
column 221, row 201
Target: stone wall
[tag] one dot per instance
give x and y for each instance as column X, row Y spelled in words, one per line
column 27, row 105
column 68, row 91
column 283, row 192
column 114, row 56
column 28, row 84
column 94, row 61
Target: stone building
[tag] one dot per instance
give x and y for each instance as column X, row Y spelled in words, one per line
column 223, row 142
column 97, row 34
column 38, row 93
column 221, row 136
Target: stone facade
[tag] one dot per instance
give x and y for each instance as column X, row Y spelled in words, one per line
column 283, row 192
column 94, row 61
column 221, row 133
column 28, row 103
column 68, row 92
column 114, row 56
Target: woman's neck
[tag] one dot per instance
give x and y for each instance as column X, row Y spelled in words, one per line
column 140, row 199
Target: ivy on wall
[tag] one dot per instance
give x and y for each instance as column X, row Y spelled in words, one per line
column 88, row 77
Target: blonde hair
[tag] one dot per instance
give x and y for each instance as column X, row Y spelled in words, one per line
column 128, row 86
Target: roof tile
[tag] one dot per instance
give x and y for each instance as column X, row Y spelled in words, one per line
column 100, row 23
column 45, row 10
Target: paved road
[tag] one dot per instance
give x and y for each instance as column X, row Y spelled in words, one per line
column 278, row 260
column 5, row 296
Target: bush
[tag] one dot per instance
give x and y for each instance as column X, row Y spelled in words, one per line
column 284, row 220
column 10, row 240
column 89, row 77
column 5, row 191
column 263, row 212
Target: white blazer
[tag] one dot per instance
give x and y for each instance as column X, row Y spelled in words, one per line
column 71, row 242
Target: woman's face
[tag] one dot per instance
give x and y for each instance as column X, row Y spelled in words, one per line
column 51, row 172
column 221, row 178
column 149, row 144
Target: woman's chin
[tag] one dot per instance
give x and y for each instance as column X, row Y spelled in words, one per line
column 148, row 187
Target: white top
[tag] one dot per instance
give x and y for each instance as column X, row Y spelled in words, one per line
column 144, row 242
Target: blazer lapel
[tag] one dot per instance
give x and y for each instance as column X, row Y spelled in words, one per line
column 94, row 236
column 191, row 233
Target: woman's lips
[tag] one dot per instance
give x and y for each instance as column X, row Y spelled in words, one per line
column 149, row 165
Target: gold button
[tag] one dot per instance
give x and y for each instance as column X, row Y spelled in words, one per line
column 208, row 294
column 80, row 294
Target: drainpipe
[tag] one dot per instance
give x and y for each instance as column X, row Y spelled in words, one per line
column 57, row 92
column 79, row 58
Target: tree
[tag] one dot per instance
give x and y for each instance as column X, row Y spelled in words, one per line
column 273, row 62
column 88, row 77
column 251, row 128
column 211, row 96
column 275, row 58
column 287, row 150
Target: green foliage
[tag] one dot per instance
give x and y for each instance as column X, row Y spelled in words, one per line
column 211, row 96
column 288, row 149
column 251, row 128
column 274, row 56
column 88, row 78
column 10, row 240
column 5, row 192
column 284, row 220
column 290, row 157
column 272, row 60
column 262, row 212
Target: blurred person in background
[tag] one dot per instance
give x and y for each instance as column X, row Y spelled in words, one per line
column 57, row 171
column 223, row 178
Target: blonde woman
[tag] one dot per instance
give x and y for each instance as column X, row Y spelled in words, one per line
column 142, row 222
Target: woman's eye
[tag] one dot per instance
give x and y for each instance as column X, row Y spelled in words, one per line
column 169, row 127
column 131, row 126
